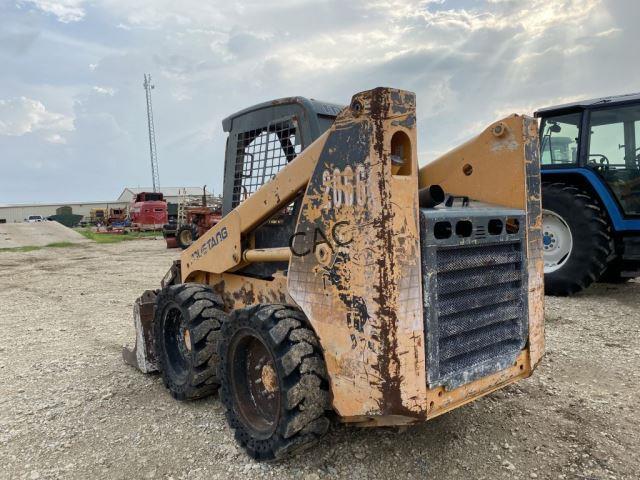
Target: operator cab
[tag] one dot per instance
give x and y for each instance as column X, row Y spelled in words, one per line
column 263, row 139
column 602, row 135
column 266, row 137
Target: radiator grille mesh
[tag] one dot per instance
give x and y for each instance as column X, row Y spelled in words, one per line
column 479, row 307
column 475, row 306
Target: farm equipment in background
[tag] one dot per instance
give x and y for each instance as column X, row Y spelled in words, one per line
column 195, row 216
column 339, row 280
column 65, row 216
column 148, row 211
column 590, row 154
column 98, row 216
column 117, row 222
column 117, row 217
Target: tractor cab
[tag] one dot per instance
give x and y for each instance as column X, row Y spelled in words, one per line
column 603, row 136
column 590, row 154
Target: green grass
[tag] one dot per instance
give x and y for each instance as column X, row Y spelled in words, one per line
column 20, row 249
column 114, row 237
column 91, row 235
column 61, row 245
column 31, row 248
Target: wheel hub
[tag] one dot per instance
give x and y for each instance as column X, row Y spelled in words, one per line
column 185, row 237
column 186, row 337
column 177, row 341
column 557, row 241
column 269, row 379
column 254, row 383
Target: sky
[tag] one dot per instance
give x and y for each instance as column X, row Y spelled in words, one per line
column 72, row 106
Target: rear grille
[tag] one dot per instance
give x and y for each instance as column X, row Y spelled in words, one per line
column 475, row 302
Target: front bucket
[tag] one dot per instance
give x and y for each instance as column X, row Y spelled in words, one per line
column 143, row 354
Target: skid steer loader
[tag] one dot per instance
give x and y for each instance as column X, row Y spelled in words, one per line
column 342, row 278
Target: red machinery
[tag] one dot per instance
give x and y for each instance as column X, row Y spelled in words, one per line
column 195, row 217
column 148, row 211
column 198, row 221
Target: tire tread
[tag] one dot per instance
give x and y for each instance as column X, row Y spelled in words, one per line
column 587, row 263
column 303, row 380
column 203, row 308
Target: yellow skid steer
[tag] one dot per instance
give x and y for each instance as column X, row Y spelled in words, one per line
column 344, row 278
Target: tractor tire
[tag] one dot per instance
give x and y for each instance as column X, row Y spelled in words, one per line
column 274, row 383
column 185, row 236
column 577, row 240
column 187, row 324
column 613, row 273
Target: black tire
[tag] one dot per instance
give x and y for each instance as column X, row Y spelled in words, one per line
column 168, row 229
column 283, row 412
column 590, row 232
column 613, row 273
column 188, row 314
column 185, row 236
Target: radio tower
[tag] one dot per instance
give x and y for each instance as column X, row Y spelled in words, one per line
column 148, row 86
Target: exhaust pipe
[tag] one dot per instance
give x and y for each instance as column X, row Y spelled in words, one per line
column 431, row 196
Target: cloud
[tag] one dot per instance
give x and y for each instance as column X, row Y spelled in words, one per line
column 20, row 116
column 110, row 91
column 66, row 11
column 55, row 138
column 469, row 62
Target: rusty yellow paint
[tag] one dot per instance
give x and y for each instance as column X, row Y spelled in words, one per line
column 441, row 401
column 362, row 291
column 269, row 378
column 493, row 167
column 226, row 251
column 217, row 251
column 280, row 254
column 488, row 168
column 365, row 301
column 239, row 291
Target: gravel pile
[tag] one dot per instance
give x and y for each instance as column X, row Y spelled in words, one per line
column 39, row 234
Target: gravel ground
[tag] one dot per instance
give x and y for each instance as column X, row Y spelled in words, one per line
column 70, row 408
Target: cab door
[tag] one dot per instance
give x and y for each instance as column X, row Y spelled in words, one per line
column 613, row 151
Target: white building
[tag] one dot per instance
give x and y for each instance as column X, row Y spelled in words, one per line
column 171, row 194
column 17, row 212
column 11, row 213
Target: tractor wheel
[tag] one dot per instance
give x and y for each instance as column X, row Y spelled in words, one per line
column 613, row 273
column 187, row 324
column 273, row 379
column 577, row 243
column 185, row 236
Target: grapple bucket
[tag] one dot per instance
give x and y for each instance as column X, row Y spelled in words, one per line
column 143, row 355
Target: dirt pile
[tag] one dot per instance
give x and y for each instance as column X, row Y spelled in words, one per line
column 39, row 234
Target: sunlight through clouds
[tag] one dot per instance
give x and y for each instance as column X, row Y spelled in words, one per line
column 468, row 61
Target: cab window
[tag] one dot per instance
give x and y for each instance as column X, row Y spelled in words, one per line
column 559, row 139
column 614, row 151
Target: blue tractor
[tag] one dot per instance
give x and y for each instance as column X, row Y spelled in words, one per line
column 590, row 153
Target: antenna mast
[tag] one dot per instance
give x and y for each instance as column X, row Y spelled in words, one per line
column 155, row 179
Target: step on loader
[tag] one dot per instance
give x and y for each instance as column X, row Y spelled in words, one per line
column 344, row 279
